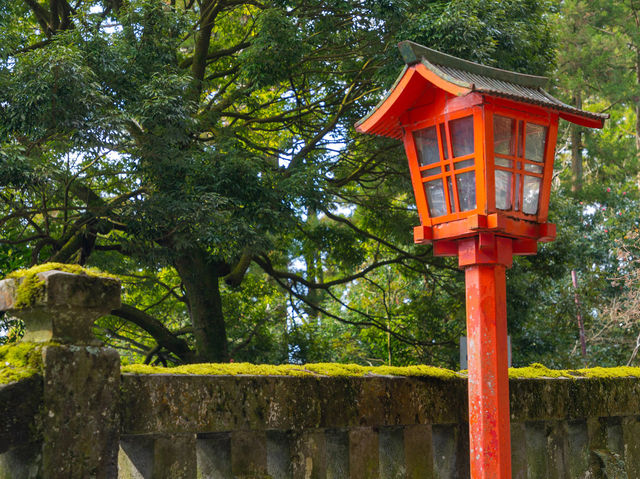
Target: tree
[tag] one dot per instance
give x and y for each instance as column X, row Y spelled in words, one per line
column 195, row 146
column 598, row 68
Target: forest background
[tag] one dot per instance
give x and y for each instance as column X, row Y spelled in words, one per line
column 203, row 151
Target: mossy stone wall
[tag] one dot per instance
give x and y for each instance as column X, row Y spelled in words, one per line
column 376, row 427
column 196, row 426
column 68, row 411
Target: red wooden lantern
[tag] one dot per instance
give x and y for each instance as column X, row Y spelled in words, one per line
column 480, row 143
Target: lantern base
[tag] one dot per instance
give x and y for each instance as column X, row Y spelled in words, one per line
column 497, row 223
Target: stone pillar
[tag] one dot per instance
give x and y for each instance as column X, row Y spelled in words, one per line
column 81, row 379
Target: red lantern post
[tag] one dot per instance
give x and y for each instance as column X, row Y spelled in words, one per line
column 480, row 143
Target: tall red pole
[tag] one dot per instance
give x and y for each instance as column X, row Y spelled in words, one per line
column 485, row 259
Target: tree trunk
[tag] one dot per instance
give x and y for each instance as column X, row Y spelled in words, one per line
column 576, row 149
column 315, row 273
column 637, row 102
column 201, row 282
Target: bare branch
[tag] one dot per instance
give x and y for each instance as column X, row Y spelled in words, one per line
column 163, row 336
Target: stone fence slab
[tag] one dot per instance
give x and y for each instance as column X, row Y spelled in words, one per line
column 184, row 404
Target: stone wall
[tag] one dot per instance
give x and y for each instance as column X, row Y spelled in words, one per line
column 80, row 418
column 371, row 427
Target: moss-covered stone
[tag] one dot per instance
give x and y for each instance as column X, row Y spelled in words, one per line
column 31, row 287
column 59, row 305
column 537, row 370
column 20, row 361
column 534, row 371
column 319, row 369
column 29, row 290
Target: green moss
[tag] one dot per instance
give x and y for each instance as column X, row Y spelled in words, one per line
column 31, row 287
column 536, row 370
column 539, row 371
column 619, row 372
column 19, row 361
column 353, row 370
column 320, row 369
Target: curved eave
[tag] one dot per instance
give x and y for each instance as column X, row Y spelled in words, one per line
column 566, row 112
column 384, row 119
column 586, row 121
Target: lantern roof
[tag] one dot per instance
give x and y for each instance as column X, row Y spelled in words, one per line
column 461, row 77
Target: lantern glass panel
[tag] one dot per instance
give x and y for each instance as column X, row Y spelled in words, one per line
column 427, row 146
column 504, row 135
column 533, row 168
column 504, row 162
column 503, row 190
column 461, row 131
column 466, row 183
column 531, row 193
column 431, row 172
column 435, row 198
column 535, row 142
column 463, row 164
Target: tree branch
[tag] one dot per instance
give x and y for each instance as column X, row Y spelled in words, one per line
column 187, row 62
column 163, row 336
column 268, row 268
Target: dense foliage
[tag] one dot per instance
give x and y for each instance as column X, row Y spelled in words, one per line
column 203, row 151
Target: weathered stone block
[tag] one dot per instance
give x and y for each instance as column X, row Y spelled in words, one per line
column 518, row 451
column 310, row 455
column 631, row 437
column 450, row 451
column 23, row 462
column 63, row 308
column 135, row 458
column 81, row 421
column 613, row 458
column 337, row 444
column 578, row 454
column 20, row 403
column 538, row 399
column 363, row 453
column 556, row 447
column 418, row 451
column 214, row 455
column 174, row 457
column 597, row 441
column 391, row 453
column 537, row 460
column 338, row 399
column 249, row 454
column 279, row 450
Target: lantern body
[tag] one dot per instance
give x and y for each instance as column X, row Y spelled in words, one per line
column 480, row 144
column 479, row 155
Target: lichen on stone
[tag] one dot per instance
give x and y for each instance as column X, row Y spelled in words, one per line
column 31, row 287
column 319, row 369
column 534, row 371
column 537, row 370
column 618, row 372
column 20, row 361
